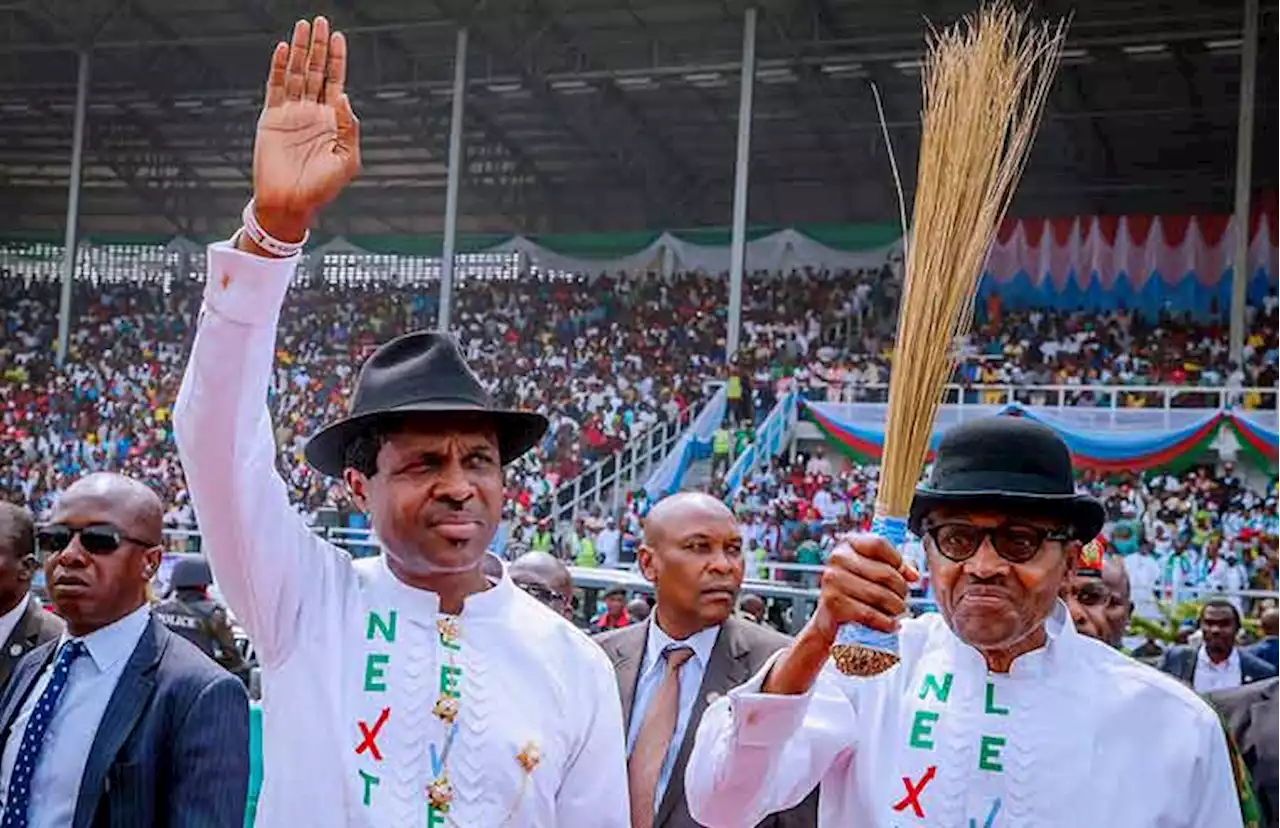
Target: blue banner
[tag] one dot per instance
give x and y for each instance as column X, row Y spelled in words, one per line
column 694, row 444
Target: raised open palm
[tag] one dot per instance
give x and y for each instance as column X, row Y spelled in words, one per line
column 308, row 142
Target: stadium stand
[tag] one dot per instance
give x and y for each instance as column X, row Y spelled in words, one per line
column 605, row 361
column 606, row 357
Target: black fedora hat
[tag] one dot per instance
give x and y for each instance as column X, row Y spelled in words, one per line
column 419, row 373
column 1011, row 461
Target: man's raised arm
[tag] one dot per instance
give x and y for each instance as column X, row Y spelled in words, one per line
column 306, row 150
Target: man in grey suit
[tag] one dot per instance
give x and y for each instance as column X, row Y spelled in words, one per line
column 118, row 721
column 24, row 624
column 689, row 651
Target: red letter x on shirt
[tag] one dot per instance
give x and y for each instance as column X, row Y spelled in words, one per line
column 370, row 735
column 914, row 791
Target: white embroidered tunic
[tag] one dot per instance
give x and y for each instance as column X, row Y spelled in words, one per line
column 1076, row 734
column 354, row 661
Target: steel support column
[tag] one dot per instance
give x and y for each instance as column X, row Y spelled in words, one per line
column 1244, row 172
column 451, row 188
column 73, row 207
column 741, row 176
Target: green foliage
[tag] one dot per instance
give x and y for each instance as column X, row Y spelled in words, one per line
column 1165, row 628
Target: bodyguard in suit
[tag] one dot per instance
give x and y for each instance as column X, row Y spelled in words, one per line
column 1250, row 714
column 1268, row 649
column 690, row 651
column 24, row 624
column 118, row 721
column 1218, row 664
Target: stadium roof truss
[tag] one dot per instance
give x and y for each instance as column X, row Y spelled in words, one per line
column 590, row 115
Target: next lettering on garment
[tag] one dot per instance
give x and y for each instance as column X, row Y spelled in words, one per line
column 381, row 629
column 379, row 710
column 927, row 722
column 940, row 741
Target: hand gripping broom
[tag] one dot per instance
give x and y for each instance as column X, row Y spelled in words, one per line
column 985, row 83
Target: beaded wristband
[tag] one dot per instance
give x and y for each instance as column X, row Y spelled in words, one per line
column 266, row 241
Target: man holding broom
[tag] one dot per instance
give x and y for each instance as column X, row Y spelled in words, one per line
column 998, row 713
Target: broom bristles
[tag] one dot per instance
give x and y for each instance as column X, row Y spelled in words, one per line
column 985, row 83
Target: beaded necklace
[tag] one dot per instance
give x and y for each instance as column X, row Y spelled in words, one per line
column 439, row 791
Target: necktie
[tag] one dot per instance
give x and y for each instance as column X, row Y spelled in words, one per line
column 654, row 739
column 19, row 791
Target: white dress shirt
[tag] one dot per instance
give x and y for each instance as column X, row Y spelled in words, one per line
column 9, row 621
column 939, row 741
column 1144, row 576
column 608, row 543
column 651, row 673
column 1210, row 676
column 347, row 649
column 55, row 782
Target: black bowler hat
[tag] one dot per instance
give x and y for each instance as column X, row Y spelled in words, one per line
column 420, row 373
column 1006, row 461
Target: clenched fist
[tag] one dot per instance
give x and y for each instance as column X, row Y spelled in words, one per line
column 864, row 582
column 308, row 143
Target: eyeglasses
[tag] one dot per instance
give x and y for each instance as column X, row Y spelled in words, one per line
column 1093, row 593
column 546, row 596
column 96, row 538
column 1016, row 543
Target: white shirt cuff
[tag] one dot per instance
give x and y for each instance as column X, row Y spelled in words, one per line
column 766, row 719
column 245, row 288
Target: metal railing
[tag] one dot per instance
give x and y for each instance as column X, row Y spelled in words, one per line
column 1115, row 397
column 761, row 577
column 765, row 574
column 609, row 476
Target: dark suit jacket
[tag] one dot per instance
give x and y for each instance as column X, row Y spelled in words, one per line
column 741, row 650
column 1180, row 662
column 36, row 626
column 172, row 750
column 1268, row 649
column 1250, row 715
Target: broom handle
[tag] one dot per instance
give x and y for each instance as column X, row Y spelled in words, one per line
column 894, row 530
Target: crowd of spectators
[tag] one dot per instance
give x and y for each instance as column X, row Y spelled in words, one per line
column 605, row 358
column 1072, row 350
column 1183, row 535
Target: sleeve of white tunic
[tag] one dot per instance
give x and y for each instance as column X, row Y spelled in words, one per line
column 258, row 545
column 1212, row 800
column 594, row 789
column 757, row 753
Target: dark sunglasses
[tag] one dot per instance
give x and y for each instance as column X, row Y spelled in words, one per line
column 96, row 538
column 1015, row 543
column 1093, row 593
column 546, row 596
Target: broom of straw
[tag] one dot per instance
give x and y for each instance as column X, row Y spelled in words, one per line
column 985, row 83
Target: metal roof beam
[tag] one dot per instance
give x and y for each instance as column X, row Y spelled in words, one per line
column 633, row 161
column 824, row 20
column 492, row 195
column 161, row 198
column 672, row 165
column 814, row 77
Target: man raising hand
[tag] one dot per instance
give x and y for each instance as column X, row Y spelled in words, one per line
column 410, row 688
